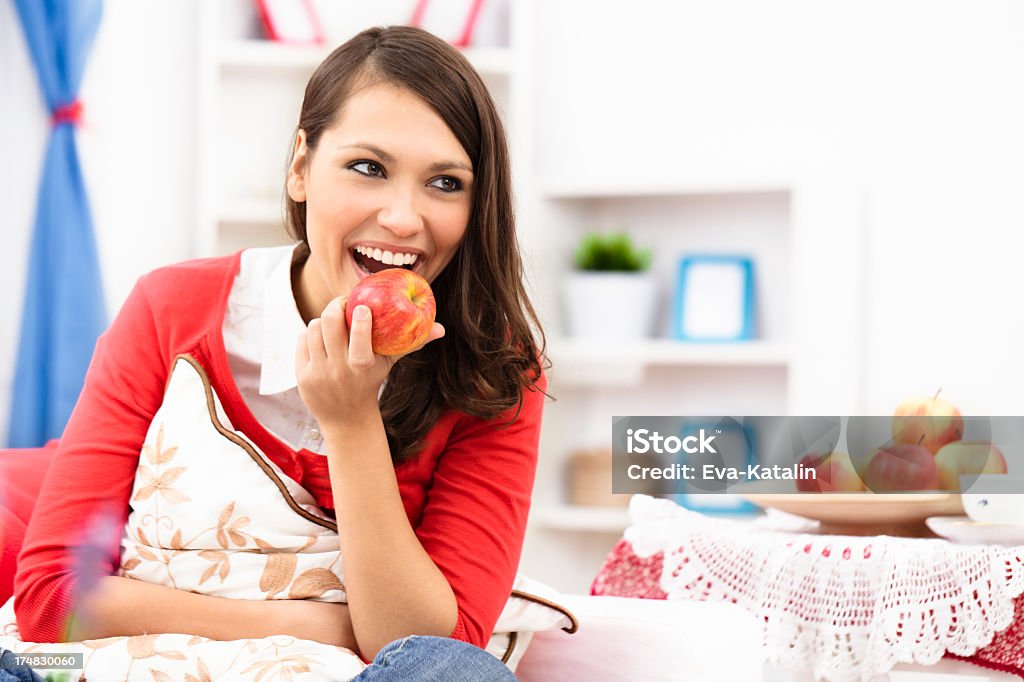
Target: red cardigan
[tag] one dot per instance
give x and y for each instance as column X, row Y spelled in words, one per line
column 467, row 494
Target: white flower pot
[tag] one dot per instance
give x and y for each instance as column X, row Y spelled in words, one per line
column 610, row 306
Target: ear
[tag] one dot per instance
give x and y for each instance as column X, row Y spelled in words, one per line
column 297, row 169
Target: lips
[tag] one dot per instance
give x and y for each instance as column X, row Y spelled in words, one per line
column 373, row 257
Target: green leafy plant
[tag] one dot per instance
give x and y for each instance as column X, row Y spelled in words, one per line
column 58, row 677
column 612, row 252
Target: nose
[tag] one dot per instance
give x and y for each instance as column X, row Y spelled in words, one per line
column 400, row 214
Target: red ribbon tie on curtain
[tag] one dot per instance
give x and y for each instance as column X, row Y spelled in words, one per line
column 68, row 113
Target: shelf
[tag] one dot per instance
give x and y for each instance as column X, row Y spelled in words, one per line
column 670, row 352
column 570, row 189
column 573, row 518
column 586, row 363
column 264, row 54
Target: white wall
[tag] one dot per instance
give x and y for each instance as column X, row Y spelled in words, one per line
column 916, row 100
column 136, row 146
column 919, row 100
column 139, row 143
column 22, row 139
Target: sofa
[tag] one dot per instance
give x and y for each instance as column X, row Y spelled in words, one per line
column 647, row 639
column 617, row 638
column 16, row 504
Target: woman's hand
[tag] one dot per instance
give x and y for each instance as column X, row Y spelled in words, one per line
column 317, row 621
column 339, row 375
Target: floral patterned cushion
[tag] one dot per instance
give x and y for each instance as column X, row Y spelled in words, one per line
column 211, row 514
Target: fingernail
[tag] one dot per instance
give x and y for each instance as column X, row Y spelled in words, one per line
column 361, row 312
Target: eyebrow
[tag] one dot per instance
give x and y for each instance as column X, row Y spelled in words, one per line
column 434, row 167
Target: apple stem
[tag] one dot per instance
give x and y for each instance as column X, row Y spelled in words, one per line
column 937, row 393
column 921, row 438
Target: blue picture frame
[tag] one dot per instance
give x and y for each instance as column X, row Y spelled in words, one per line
column 714, row 299
column 718, row 503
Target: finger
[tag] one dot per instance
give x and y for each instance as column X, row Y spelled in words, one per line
column 333, row 328
column 301, row 352
column 315, row 341
column 360, row 342
column 436, row 332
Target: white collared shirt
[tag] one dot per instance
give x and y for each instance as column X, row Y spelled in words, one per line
column 262, row 325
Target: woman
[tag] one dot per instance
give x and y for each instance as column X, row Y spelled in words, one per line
column 418, row 469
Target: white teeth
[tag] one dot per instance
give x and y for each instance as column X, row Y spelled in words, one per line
column 387, row 257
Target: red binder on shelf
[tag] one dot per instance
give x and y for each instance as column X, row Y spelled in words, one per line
column 439, row 23
column 293, row 22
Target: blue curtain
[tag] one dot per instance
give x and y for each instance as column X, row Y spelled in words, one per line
column 64, row 312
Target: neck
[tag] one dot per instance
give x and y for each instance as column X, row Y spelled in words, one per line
column 303, row 272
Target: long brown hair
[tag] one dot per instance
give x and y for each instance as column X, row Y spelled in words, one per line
column 489, row 355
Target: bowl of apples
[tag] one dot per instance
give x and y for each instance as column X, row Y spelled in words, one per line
column 893, row 488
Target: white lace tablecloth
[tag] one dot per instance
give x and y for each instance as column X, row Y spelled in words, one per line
column 844, row 608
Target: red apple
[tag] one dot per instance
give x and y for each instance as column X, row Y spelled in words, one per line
column 929, row 422
column 835, row 474
column 402, row 307
column 899, row 468
column 967, row 457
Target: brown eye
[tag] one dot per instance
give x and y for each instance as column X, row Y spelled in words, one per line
column 367, row 168
column 447, row 183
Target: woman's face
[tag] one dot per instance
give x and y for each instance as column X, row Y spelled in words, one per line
column 388, row 185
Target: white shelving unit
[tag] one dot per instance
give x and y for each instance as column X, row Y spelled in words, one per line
column 801, row 363
column 593, row 381
column 806, row 359
column 584, row 189
column 250, row 92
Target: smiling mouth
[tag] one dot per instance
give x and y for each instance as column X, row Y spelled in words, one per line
column 370, row 265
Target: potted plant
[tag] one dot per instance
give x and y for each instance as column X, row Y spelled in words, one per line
column 610, row 295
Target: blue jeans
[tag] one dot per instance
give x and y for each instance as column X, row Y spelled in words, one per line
column 433, row 659
column 12, row 673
